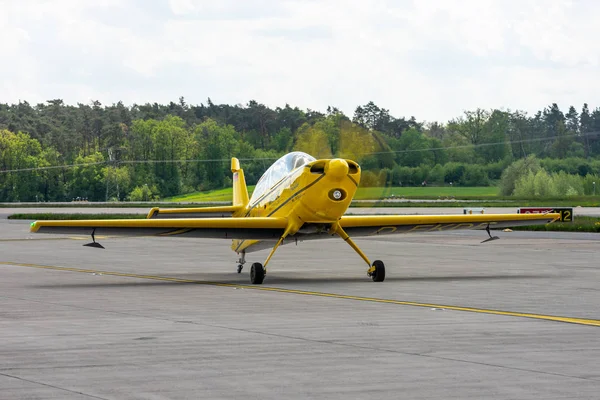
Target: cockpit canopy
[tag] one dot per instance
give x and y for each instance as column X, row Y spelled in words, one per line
column 279, row 170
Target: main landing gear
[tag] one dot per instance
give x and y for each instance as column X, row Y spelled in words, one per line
column 376, row 270
column 258, row 271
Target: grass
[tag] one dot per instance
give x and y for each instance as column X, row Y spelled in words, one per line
column 367, row 193
column 516, row 203
column 579, row 224
column 485, row 196
column 427, row 192
column 211, row 195
column 92, row 205
column 62, row 217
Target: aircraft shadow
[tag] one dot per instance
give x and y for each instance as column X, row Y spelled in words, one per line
column 272, row 281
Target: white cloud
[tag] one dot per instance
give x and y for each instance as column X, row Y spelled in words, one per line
column 428, row 58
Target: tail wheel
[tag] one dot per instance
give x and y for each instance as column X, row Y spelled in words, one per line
column 379, row 274
column 257, row 274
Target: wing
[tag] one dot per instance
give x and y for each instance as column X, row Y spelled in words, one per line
column 218, row 228
column 387, row 224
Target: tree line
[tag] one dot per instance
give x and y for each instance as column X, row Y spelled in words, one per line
column 53, row 151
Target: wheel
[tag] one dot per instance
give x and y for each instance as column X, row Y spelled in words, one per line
column 240, row 268
column 379, row 274
column 257, row 274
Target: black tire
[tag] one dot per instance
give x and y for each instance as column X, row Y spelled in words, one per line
column 257, row 274
column 379, row 274
column 240, row 268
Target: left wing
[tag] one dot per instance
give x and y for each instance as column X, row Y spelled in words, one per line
column 385, row 224
column 217, row 228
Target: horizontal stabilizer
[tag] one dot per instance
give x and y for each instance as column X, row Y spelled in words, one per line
column 196, row 212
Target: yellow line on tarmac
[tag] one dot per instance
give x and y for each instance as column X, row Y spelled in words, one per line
column 579, row 321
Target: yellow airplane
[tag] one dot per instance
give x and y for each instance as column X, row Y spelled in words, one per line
column 298, row 198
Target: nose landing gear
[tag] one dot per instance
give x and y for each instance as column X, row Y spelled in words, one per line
column 241, row 262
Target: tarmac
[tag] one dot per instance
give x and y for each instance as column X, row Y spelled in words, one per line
column 168, row 318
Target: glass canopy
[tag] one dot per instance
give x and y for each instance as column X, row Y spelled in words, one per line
column 279, row 170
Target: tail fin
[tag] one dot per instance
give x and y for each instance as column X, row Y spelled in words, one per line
column 240, row 191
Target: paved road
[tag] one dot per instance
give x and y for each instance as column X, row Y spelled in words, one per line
column 170, row 319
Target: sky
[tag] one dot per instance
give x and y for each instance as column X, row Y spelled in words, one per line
column 432, row 59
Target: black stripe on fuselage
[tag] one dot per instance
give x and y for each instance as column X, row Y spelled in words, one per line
column 296, row 194
column 284, row 203
column 353, row 181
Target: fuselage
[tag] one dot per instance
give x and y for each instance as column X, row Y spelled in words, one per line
column 318, row 192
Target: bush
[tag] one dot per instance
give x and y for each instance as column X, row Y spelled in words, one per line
column 494, row 170
column 543, row 184
column 567, row 185
column 144, row 193
column 436, row 174
column 588, row 184
column 569, row 165
column 475, row 175
column 453, row 172
column 535, row 185
column 404, row 176
column 371, row 179
column 515, row 171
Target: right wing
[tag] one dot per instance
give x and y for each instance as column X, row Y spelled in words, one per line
column 217, row 228
column 367, row 225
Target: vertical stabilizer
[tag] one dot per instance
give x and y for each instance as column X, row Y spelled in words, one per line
column 240, row 190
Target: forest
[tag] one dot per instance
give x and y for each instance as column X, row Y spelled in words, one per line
column 53, row 151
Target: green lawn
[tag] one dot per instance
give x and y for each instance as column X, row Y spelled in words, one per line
column 68, row 216
column 373, row 193
column 427, row 192
column 579, row 224
column 211, row 195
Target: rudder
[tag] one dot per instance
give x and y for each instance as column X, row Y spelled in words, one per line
column 240, row 190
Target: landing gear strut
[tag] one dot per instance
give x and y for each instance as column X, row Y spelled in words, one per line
column 258, row 270
column 376, row 270
column 241, row 262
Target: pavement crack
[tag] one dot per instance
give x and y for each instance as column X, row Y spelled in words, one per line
column 65, row 367
column 363, row 347
column 53, row 386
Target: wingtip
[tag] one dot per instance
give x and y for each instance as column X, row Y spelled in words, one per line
column 33, row 227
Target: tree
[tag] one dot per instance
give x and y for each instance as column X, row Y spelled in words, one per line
column 516, row 171
column 414, row 149
column 313, row 141
column 18, row 153
column 585, row 125
column 87, row 178
column 216, row 145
